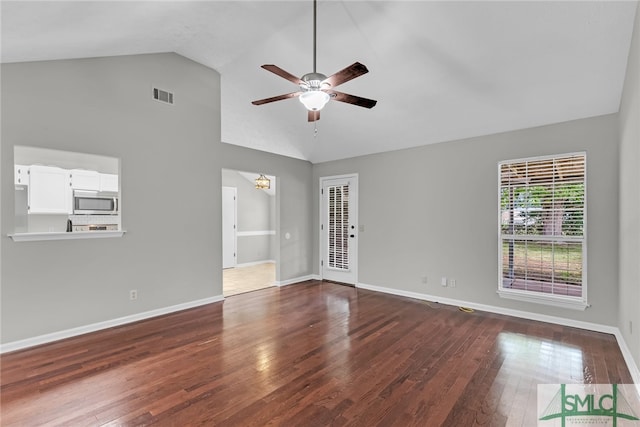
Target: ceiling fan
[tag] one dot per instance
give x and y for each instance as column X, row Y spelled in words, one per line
column 316, row 89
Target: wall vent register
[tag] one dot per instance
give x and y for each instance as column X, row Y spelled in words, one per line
column 164, row 96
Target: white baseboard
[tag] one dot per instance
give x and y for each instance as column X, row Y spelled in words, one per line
column 68, row 333
column 628, row 358
column 297, row 280
column 624, row 349
column 493, row 309
column 251, row 264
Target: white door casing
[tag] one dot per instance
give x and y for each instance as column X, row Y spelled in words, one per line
column 339, row 228
column 229, row 229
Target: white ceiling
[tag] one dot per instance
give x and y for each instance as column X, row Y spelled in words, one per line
column 440, row 70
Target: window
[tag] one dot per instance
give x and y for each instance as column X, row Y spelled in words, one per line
column 46, row 181
column 338, row 226
column 542, row 223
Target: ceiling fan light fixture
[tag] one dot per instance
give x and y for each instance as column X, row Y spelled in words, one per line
column 314, row 100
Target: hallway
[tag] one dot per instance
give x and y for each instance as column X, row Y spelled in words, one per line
column 239, row 280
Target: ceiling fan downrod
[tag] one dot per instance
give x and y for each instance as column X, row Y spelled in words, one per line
column 315, row 11
column 312, row 82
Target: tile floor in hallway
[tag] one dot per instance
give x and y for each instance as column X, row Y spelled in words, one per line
column 239, row 280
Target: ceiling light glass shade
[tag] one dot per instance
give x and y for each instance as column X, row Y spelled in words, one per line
column 263, row 183
column 314, row 100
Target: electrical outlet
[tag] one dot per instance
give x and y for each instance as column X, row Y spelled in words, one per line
column 443, row 281
column 133, row 294
column 424, row 280
column 452, row 283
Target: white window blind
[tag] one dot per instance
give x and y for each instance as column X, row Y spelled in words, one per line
column 338, row 227
column 542, row 221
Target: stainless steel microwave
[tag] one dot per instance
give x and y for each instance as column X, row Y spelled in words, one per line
column 95, row 203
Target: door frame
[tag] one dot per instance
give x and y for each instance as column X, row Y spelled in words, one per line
column 353, row 213
column 235, row 226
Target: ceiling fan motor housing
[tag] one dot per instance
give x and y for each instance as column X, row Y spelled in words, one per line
column 314, row 81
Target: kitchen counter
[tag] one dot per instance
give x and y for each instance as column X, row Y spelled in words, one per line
column 34, row 237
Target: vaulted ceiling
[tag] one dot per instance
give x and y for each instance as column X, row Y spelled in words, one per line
column 440, row 70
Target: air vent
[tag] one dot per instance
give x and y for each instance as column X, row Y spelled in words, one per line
column 162, row 96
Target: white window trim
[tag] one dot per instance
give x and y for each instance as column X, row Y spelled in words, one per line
column 574, row 303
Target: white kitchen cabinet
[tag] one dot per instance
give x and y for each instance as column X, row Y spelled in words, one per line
column 82, row 179
column 49, row 190
column 108, row 182
column 21, row 175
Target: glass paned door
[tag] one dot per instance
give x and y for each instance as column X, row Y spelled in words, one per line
column 339, row 229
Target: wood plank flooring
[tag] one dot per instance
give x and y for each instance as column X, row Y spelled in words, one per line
column 311, row 354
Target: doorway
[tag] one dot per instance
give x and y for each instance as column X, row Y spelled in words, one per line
column 249, row 232
column 339, row 228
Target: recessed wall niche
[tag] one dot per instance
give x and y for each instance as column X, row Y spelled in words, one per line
column 46, row 181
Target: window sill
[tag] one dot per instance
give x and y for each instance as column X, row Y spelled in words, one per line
column 36, row 237
column 556, row 300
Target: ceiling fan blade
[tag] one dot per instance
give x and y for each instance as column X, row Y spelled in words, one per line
column 352, row 99
column 351, row 72
column 282, row 73
column 276, row 98
column 313, row 115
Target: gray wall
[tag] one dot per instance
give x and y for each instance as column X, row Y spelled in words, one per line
column 426, row 211
column 103, row 106
column 256, row 212
column 293, row 205
column 629, row 275
column 432, row 211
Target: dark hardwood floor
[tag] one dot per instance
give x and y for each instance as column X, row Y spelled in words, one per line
column 312, row 354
